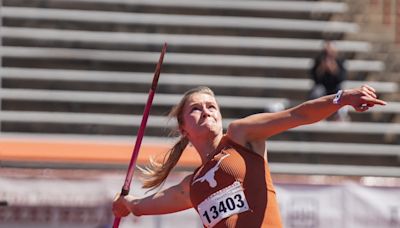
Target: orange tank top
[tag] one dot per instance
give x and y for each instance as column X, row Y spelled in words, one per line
column 234, row 189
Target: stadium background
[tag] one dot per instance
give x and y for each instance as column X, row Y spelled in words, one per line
column 74, row 79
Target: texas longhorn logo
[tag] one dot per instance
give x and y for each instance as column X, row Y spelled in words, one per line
column 210, row 175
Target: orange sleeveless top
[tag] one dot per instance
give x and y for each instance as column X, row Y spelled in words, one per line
column 234, row 189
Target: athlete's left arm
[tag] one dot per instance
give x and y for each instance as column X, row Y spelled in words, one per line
column 173, row 199
column 264, row 125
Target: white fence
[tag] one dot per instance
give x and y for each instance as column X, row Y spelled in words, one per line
column 55, row 202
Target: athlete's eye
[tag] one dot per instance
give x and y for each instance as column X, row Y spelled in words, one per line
column 194, row 108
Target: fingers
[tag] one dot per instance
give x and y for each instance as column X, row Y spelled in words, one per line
column 367, row 99
column 371, row 97
column 119, row 208
column 116, row 197
column 120, row 211
column 368, row 91
column 361, row 108
column 368, row 88
column 370, row 102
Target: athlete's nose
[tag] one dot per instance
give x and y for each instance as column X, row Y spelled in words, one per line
column 206, row 112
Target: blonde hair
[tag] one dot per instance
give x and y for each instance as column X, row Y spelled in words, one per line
column 156, row 173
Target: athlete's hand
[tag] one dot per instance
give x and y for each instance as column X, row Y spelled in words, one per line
column 123, row 205
column 362, row 98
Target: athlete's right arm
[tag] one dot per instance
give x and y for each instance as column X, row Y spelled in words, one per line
column 173, row 199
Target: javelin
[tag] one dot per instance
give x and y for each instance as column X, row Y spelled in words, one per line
column 135, row 153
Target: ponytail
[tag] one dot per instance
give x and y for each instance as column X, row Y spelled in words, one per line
column 156, row 173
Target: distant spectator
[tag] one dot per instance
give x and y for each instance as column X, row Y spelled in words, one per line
column 328, row 73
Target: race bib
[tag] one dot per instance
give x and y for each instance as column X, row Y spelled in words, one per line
column 222, row 204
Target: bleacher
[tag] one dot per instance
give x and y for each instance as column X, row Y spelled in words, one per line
column 79, row 71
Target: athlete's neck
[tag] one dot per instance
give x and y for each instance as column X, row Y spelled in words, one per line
column 207, row 148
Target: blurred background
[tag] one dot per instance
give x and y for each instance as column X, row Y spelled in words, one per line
column 75, row 75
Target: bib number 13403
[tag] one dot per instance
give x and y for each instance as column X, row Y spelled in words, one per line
column 222, row 204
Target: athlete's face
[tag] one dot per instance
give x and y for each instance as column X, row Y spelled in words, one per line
column 201, row 116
